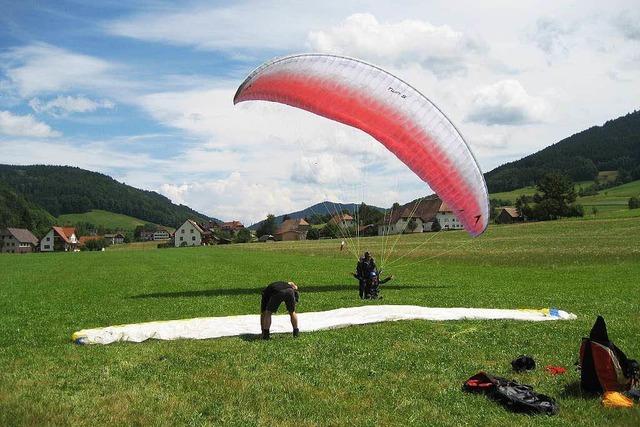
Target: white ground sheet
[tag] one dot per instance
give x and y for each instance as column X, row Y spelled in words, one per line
column 216, row 327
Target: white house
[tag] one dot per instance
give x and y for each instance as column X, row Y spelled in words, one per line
column 59, row 239
column 418, row 217
column 447, row 219
column 189, row 234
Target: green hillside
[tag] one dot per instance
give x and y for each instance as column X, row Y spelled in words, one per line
column 16, row 212
column 610, row 147
column 105, row 219
column 614, row 198
column 65, row 190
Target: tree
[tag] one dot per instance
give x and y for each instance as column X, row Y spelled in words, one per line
column 556, row 195
column 268, row 226
column 286, row 217
column 435, row 225
column 313, row 234
column 634, row 203
column 368, row 215
column 412, row 225
column 95, row 244
column 330, row 230
column 243, row 236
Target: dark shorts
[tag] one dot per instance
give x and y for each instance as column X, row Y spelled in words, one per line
column 271, row 302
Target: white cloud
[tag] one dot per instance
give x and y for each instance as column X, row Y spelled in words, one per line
column 42, row 68
column 550, row 36
column 63, row 105
column 16, row 125
column 241, row 26
column 506, row 103
column 361, row 35
column 628, row 23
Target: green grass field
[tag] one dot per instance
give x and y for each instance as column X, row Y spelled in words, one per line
column 109, row 220
column 404, row 373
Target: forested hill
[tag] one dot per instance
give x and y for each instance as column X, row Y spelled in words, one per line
column 322, row 208
column 612, row 146
column 63, row 190
column 16, row 212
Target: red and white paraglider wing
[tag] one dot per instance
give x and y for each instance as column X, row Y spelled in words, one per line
column 401, row 118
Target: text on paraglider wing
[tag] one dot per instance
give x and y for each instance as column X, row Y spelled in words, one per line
column 397, row 92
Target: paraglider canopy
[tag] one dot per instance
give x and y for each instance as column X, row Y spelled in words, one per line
column 366, row 97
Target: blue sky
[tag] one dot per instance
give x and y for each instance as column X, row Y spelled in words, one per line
column 143, row 91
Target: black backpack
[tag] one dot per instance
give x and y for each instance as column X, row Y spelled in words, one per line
column 515, row 397
column 603, row 366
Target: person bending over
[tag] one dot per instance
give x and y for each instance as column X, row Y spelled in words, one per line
column 272, row 296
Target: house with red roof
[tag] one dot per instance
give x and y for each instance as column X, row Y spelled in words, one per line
column 17, row 240
column 59, row 239
column 292, row 229
column 231, row 226
column 342, row 220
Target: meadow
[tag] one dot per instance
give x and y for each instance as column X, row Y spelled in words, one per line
column 399, row 373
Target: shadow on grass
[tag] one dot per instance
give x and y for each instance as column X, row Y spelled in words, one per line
column 573, row 390
column 258, row 290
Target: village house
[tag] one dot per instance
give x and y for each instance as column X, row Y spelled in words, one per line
column 232, row 226
column 114, row 239
column 17, row 241
column 193, row 234
column 419, row 217
column 59, row 239
column 160, row 234
column 508, row 215
column 342, row 220
column 292, row 229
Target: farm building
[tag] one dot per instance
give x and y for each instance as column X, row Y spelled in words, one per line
column 342, row 220
column 161, row 234
column 292, row 229
column 193, row 234
column 82, row 241
column 232, row 226
column 508, row 216
column 418, row 217
column 59, row 239
column 17, row 240
column 114, row 239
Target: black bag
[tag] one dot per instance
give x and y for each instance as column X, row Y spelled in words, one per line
column 515, row 397
column 603, row 366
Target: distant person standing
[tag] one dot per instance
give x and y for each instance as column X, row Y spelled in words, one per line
column 341, row 246
column 274, row 295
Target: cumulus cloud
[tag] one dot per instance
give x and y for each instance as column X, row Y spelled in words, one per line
column 16, row 125
column 440, row 48
column 42, row 68
column 506, row 103
column 63, row 105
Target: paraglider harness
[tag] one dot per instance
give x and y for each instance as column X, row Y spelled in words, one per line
column 512, row 395
column 603, row 366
